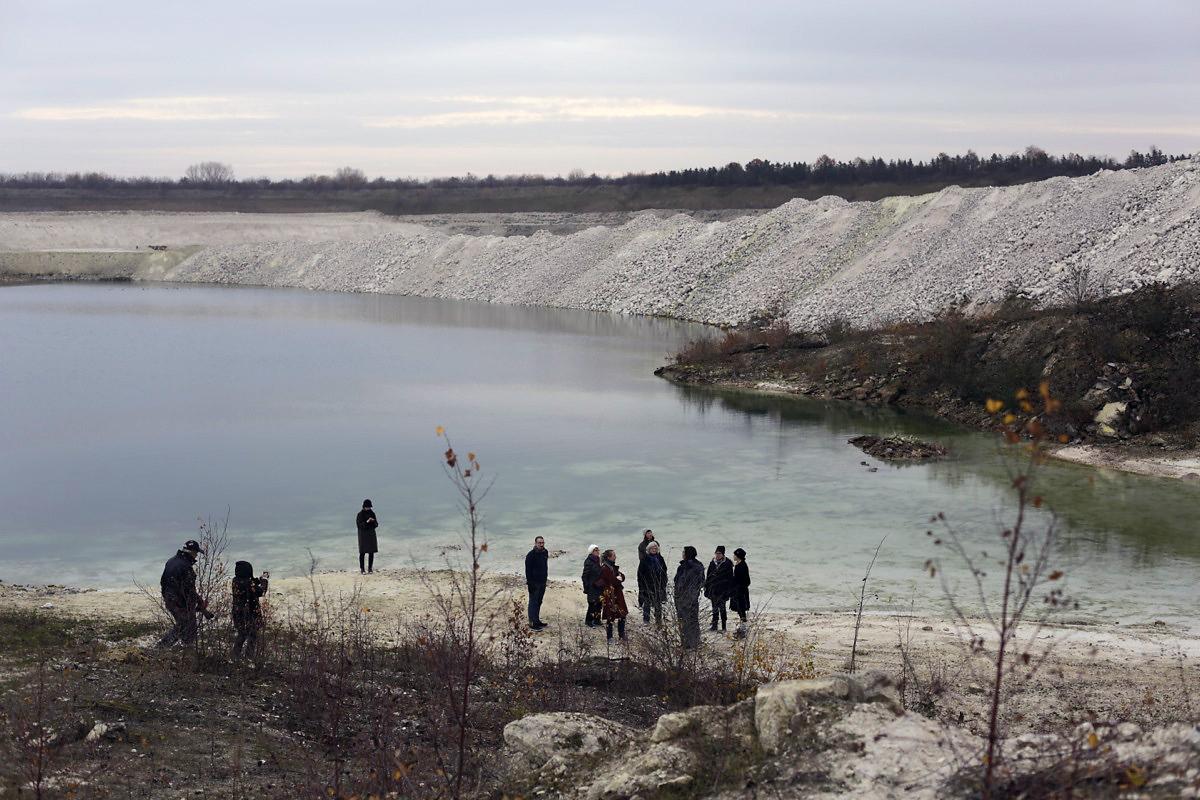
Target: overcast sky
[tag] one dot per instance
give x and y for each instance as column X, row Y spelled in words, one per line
column 400, row 89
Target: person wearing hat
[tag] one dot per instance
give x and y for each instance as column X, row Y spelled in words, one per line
column 718, row 582
column 180, row 597
column 739, row 598
column 591, row 574
column 368, row 544
column 245, row 609
column 652, row 583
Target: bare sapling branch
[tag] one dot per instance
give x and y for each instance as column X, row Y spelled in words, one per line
column 1009, row 619
column 862, row 599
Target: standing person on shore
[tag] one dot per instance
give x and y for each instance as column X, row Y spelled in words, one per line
column 647, row 538
column 368, row 544
column 739, row 598
column 689, row 580
column 536, row 572
column 718, row 583
column 180, row 597
column 245, row 610
column 652, row 583
column 591, row 574
column 612, row 595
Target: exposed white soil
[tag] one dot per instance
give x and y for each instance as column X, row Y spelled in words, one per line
column 900, row 258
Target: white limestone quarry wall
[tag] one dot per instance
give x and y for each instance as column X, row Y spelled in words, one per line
column 901, row 258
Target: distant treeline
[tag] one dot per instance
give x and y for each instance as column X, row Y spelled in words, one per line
column 1034, row 164
column 211, row 186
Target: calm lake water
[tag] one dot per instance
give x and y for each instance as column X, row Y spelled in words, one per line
column 131, row 413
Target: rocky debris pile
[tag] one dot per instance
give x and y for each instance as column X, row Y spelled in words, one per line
column 898, row 448
column 813, row 263
column 836, row 737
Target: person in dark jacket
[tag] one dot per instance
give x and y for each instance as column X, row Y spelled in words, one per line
column 718, row 583
column 612, row 594
column 652, row 583
column 689, row 580
column 246, row 612
column 180, row 597
column 536, row 575
column 591, row 574
column 739, row 598
column 647, row 538
column 368, row 544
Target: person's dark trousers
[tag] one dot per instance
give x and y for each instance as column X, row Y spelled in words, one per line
column 247, row 636
column 620, row 628
column 658, row 609
column 537, row 592
column 184, row 629
column 370, row 562
column 718, row 612
column 593, row 612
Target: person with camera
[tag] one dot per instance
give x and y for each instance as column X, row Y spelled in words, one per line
column 180, row 597
column 246, row 611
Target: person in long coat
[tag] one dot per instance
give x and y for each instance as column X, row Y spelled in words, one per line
column 368, row 544
column 591, row 574
column 718, row 583
column 652, row 583
column 689, row 580
column 612, row 595
column 739, row 599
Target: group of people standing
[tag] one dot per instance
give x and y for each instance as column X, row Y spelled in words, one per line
column 725, row 583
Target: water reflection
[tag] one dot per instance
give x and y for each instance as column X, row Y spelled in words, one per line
column 1101, row 511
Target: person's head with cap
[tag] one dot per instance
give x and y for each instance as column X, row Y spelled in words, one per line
column 366, row 503
column 648, row 535
column 719, row 554
column 192, row 549
column 594, row 550
column 739, row 554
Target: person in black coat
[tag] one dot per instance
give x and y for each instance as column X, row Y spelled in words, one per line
column 652, row 583
column 739, row 598
column 368, row 544
column 180, row 597
column 689, row 580
column 718, row 583
column 536, row 574
column 591, row 574
column 246, row 612
column 647, row 538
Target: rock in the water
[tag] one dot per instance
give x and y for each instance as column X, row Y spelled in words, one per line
column 898, row 448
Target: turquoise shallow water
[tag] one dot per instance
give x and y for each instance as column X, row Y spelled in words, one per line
column 128, row 413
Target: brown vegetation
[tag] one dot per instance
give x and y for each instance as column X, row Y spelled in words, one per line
column 1137, row 351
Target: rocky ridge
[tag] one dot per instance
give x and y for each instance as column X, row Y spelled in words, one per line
column 901, row 258
column 836, row 737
